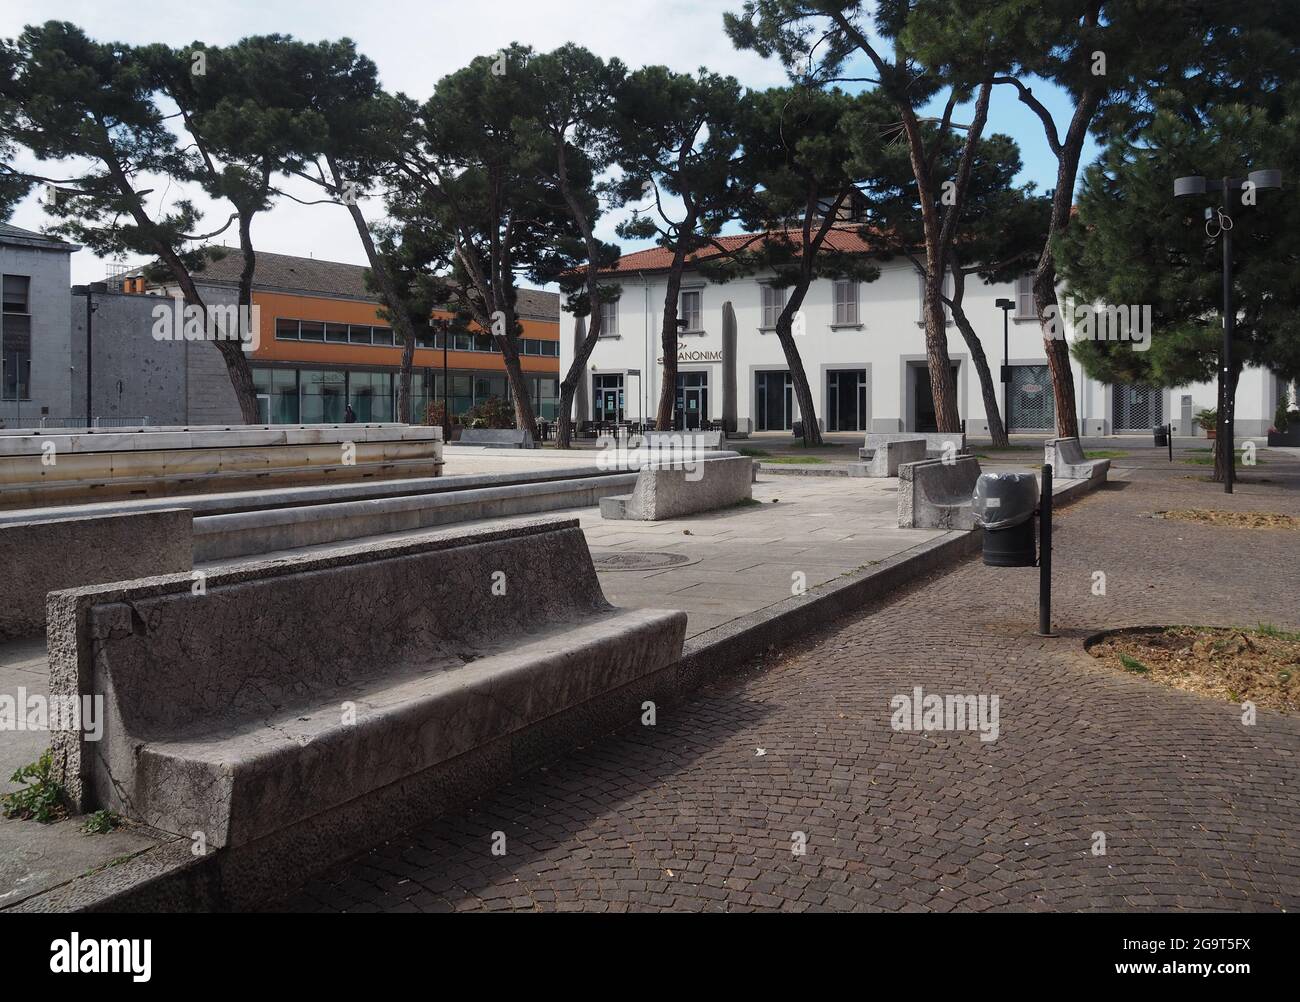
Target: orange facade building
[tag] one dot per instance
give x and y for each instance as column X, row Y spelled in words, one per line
column 323, row 345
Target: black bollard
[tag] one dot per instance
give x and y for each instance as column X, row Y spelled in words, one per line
column 1045, row 555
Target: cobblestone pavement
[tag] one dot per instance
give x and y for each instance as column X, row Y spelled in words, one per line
column 701, row 810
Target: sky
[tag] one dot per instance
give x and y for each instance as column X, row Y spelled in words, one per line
column 416, row 42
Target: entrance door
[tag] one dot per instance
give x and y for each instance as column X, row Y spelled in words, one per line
column 1136, row 407
column 923, row 415
column 773, row 401
column 846, row 400
column 691, row 408
column 692, row 400
column 1032, row 405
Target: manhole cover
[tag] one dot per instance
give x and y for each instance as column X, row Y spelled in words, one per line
column 638, row 560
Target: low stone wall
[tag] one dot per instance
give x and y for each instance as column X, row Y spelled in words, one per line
column 937, row 493
column 884, row 459
column 937, row 443
column 1069, row 463
column 56, row 469
column 497, row 438
column 663, row 492
column 288, row 690
column 44, row 555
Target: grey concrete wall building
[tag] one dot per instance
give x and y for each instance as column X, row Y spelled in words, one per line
column 136, row 376
column 36, row 375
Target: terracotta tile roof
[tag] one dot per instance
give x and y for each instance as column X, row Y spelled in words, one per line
column 290, row 273
column 841, row 238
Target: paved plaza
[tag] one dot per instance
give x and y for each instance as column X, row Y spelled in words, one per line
column 703, row 810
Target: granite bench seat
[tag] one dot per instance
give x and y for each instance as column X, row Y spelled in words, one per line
column 291, row 688
column 1069, row 463
column 937, row 493
column 670, row 491
column 937, row 443
column 497, row 438
column 883, row 459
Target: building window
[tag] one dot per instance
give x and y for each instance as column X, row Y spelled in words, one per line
column 360, row 334
column 846, row 302
column 336, row 333
column 286, row 330
column 946, row 290
column 16, row 340
column 322, row 396
column 16, row 288
column 311, row 330
column 609, row 319
column 773, row 304
column 371, row 395
column 1025, row 297
column 691, row 311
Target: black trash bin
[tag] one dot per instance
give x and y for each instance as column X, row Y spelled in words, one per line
column 798, row 429
column 1161, row 432
column 1004, row 508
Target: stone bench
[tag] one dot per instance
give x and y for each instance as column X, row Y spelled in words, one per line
column 937, row 493
column 883, row 460
column 937, row 443
column 666, row 491
column 40, row 555
column 283, row 693
column 683, row 440
column 1069, row 463
column 497, row 438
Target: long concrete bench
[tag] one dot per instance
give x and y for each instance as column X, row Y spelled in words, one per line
column 670, row 491
column 1069, row 463
column 219, row 537
column 937, row 493
column 282, row 694
column 41, row 555
column 883, row 460
column 683, row 440
column 937, row 443
column 497, row 438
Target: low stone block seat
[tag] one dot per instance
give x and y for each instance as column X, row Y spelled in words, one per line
column 293, row 687
column 937, row 493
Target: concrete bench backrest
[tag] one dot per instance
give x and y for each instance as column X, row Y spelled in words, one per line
column 946, row 482
column 41, row 555
column 507, row 437
column 683, row 439
column 1064, row 451
column 269, row 636
column 663, row 492
column 937, row 443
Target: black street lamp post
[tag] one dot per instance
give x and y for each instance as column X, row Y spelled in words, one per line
column 1006, row 306
column 1185, row 187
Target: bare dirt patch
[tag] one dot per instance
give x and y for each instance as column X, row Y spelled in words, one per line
column 1260, row 665
column 1232, row 519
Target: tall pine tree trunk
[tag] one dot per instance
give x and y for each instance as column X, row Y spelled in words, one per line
column 812, row 434
column 988, row 390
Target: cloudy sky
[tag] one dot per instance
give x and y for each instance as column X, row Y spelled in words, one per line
column 415, row 42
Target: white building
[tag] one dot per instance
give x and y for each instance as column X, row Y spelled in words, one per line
column 863, row 349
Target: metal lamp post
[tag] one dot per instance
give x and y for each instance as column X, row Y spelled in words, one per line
column 89, row 292
column 1190, row 187
column 1006, row 306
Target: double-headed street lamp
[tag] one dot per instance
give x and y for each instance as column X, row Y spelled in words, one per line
column 1190, row 187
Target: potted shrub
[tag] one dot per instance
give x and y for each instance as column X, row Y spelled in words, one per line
column 1208, row 420
column 1286, row 423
